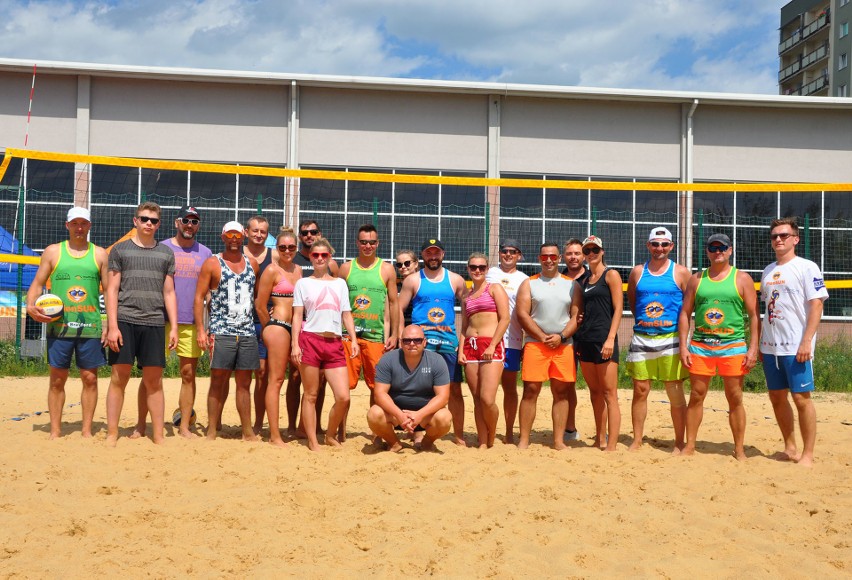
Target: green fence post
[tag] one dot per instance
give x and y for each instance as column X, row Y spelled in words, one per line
column 20, row 285
column 375, row 212
column 259, row 204
column 808, row 236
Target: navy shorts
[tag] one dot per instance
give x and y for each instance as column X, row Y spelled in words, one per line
column 234, row 353
column 453, row 366
column 142, row 344
column 512, row 362
column 261, row 348
column 785, row 372
column 89, row 352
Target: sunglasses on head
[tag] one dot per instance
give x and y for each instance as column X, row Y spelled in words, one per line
column 368, row 242
column 233, row 235
column 190, row 221
column 549, row 257
column 477, row 267
column 717, row 249
column 660, row 244
column 412, row 341
column 510, row 251
column 592, row 250
column 286, row 248
column 308, row 232
column 405, row 264
column 318, row 255
column 783, row 236
column 145, row 219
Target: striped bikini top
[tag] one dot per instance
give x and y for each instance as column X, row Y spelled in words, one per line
column 482, row 303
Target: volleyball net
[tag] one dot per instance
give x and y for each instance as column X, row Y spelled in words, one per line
column 466, row 210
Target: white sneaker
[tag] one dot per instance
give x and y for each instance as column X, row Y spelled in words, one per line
column 572, row 435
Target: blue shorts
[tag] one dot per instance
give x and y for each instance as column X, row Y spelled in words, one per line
column 89, row 352
column 512, row 362
column 261, row 348
column 785, row 372
column 453, row 366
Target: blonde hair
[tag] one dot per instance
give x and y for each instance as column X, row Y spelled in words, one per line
column 323, row 243
column 286, row 232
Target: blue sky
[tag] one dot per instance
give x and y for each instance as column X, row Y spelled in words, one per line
column 696, row 45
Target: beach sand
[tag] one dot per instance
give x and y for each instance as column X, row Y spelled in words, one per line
column 76, row 508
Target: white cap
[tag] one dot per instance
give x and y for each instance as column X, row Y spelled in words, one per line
column 79, row 212
column 660, row 233
column 233, row 227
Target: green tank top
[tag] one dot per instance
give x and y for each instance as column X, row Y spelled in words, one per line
column 367, row 296
column 76, row 281
column 718, row 309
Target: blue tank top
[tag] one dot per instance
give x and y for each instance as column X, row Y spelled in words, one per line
column 434, row 310
column 658, row 302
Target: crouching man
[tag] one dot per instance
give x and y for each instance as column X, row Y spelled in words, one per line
column 411, row 392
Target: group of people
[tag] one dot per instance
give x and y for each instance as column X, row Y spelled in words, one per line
column 292, row 311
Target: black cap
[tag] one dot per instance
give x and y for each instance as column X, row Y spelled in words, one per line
column 719, row 239
column 187, row 211
column 511, row 243
column 432, row 243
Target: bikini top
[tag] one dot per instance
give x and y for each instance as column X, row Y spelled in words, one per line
column 283, row 289
column 482, row 303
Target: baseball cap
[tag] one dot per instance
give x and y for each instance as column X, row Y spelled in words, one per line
column 511, row 243
column 719, row 239
column 593, row 240
column 78, row 212
column 432, row 243
column 658, row 233
column 187, row 211
column 233, row 227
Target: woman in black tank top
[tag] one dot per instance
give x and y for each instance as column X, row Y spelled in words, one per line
column 596, row 341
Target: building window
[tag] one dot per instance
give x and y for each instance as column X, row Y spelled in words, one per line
column 844, row 29
column 843, row 91
column 843, row 61
column 844, row 2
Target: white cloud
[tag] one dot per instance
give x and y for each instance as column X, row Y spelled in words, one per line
column 732, row 45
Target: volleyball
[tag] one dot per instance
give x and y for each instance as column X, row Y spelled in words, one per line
column 51, row 305
column 176, row 418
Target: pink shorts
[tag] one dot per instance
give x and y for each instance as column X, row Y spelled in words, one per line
column 474, row 346
column 321, row 352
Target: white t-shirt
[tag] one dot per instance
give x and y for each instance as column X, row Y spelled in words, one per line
column 324, row 301
column 514, row 336
column 786, row 290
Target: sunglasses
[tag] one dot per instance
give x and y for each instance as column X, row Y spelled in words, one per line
column 477, row 267
column 660, row 244
column 233, row 235
column 368, row 242
column 412, row 341
column 592, row 250
column 405, row 264
column 308, row 232
column 190, row 221
column 509, row 251
column 549, row 257
column 717, row 249
column 290, row 248
column 318, row 255
column 780, row 236
column 145, row 219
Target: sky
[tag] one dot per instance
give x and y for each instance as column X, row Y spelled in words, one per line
column 690, row 45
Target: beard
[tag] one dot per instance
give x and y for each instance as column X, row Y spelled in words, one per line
column 187, row 235
column 437, row 264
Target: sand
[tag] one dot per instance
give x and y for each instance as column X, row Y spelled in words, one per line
column 75, row 508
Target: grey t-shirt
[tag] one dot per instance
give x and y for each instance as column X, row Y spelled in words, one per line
column 143, row 275
column 412, row 389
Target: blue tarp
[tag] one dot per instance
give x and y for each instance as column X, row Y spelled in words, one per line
column 9, row 272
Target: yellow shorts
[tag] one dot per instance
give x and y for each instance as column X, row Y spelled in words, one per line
column 542, row 363
column 371, row 352
column 187, row 341
column 725, row 366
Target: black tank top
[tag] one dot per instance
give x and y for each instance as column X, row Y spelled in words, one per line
column 597, row 310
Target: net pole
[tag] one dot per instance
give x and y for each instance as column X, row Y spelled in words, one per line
column 594, row 220
column 259, row 204
column 487, row 226
column 808, row 236
column 700, row 238
column 20, row 281
column 375, row 212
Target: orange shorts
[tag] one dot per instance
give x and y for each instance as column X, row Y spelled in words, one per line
column 542, row 363
column 725, row 366
column 371, row 352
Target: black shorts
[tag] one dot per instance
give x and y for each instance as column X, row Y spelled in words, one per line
column 142, row 344
column 590, row 352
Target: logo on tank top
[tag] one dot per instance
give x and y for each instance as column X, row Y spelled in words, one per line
column 714, row 317
column 654, row 310
column 436, row 315
column 776, row 275
column 77, row 294
column 362, row 302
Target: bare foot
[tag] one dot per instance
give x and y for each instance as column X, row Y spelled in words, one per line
column 427, row 444
column 331, row 441
column 300, row 434
column 460, row 441
column 158, row 440
column 740, row 455
column 55, row 436
column 636, row 445
column 188, row 434
column 278, row 443
column 676, row 451
column 395, row 448
column 252, row 437
column 86, row 434
column 609, row 449
column 314, row 446
column 523, row 445
column 688, row 451
column 805, row 461
column 483, row 446
column 137, row 434
column 112, row 440
column 560, row 446
column 786, row 455
column 509, row 439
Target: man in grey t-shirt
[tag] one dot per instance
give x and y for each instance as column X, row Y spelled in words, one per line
column 411, row 391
